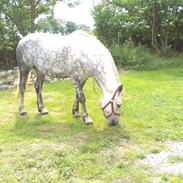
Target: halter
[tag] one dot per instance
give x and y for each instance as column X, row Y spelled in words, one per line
column 111, row 102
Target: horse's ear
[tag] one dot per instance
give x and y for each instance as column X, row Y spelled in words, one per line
column 120, row 89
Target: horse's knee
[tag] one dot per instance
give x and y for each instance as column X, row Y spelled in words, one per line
column 82, row 99
column 21, row 89
column 37, row 88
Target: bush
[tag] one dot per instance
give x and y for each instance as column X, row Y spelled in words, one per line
column 131, row 57
column 128, row 56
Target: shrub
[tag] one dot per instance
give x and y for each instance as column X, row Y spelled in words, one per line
column 139, row 57
column 131, row 57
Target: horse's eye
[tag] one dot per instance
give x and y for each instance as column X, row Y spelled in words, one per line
column 118, row 105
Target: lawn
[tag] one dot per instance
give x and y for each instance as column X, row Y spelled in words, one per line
column 60, row 148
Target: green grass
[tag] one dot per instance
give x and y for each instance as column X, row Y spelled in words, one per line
column 60, row 148
column 176, row 159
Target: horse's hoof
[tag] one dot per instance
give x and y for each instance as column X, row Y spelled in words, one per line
column 76, row 114
column 44, row 112
column 88, row 121
column 22, row 113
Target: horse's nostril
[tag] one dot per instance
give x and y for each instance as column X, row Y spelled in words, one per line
column 113, row 123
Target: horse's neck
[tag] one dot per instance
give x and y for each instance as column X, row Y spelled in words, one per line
column 108, row 81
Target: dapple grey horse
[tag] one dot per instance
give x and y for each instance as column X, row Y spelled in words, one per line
column 77, row 56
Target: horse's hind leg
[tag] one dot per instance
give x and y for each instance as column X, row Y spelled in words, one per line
column 81, row 98
column 38, row 88
column 22, row 85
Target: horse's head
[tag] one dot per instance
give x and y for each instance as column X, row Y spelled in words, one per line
column 111, row 108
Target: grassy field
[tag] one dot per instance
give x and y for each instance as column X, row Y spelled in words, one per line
column 60, row 148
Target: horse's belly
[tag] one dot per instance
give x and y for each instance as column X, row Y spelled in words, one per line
column 50, row 69
column 60, row 72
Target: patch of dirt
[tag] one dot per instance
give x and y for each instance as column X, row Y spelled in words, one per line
column 120, row 151
column 161, row 162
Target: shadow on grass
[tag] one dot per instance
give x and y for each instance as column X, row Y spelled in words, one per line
column 71, row 130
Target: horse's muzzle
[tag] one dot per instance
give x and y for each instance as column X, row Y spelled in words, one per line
column 113, row 122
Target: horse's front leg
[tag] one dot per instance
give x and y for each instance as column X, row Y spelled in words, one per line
column 75, row 110
column 38, row 88
column 81, row 99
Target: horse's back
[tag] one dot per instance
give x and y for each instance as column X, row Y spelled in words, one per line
column 39, row 50
column 63, row 54
column 78, row 41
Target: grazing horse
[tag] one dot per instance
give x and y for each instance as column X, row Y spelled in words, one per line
column 77, row 56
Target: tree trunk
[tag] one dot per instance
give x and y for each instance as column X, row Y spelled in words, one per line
column 164, row 40
column 6, row 59
column 11, row 64
column 153, row 33
column 33, row 14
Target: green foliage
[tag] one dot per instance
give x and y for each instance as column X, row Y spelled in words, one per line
column 156, row 24
column 70, row 27
column 176, row 159
column 23, row 13
column 156, row 150
column 8, row 35
column 171, row 179
column 50, row 24
column 84, row 28
column 129, row 56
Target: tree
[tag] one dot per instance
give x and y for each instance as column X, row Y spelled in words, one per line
column 8, row 40
column 17, row 17
column 70, row 27
column 84, row 27
column 22, row 13
column 50, row 24
column 157, row 23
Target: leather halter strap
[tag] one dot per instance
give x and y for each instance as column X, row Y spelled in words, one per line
column 111, row 102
